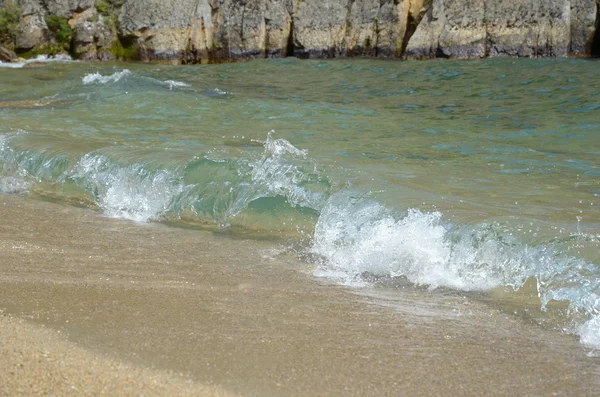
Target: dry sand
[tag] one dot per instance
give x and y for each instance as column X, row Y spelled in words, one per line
column 154, row 310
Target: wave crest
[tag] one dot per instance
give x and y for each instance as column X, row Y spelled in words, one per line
column 97, row 78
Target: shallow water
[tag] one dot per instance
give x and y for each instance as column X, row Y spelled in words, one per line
column 461, row 175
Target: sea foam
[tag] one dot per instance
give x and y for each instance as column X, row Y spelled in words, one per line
column 38, row 59
column 97, row 78
column 174, row 84
column 357, row 239
column 129, row 192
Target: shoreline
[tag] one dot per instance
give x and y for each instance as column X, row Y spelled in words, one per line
column 153, row 301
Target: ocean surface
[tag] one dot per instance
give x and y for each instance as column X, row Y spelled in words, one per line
column 478, row 178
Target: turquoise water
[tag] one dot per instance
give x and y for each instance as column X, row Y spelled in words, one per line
column 467, row 175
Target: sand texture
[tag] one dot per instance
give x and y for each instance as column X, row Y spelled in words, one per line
column 37, row 361
column 103, row 306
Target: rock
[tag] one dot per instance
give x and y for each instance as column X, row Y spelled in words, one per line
column 192, row 31
column 365, row 21
column 254, row 29
column 31, row 32
column 320, row 28
column 87, row 26
column 528, row 28
column 7, row 55
column 450, row 28
column 584, row 14
column 160, row 28
column 65, row 8
column 525, row 28
column 30, row 7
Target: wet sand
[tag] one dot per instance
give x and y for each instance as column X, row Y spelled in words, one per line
column 38, row 361
column 150, row 309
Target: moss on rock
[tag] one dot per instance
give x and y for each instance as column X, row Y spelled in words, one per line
column 61, row 29
column 10, row 14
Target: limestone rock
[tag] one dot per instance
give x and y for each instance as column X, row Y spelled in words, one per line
column 193, row 31
column 526, row 28
column 319, row 28
column 31, row 32
column 7, row 55
column 584, row 14
column 219, row 29
column 90, row 34
column 65, row 8
column 30, row 7
column 371, row 28
column 251, row 29
column 450, row 28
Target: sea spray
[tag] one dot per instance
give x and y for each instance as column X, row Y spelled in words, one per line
column 357, row 239
column 130, row 192
column 226, row 186
column 134, row 183
column 284, row 170
column 97, row 78
column 357, row 236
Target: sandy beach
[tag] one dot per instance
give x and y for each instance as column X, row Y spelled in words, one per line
column 40, row 361
column 100, row 306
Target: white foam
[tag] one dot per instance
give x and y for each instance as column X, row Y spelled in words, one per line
column 128, row 192
column 219, row 91
column 97, row 78
column 357, row 237
column 12, row 65
column 282, row 170
column 10, row 184
column 38, row 59
column 590, row 332
column 173, row 84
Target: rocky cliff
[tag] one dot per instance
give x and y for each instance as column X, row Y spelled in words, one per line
column 193, row 31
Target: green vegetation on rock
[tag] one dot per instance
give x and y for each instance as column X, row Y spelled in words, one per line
column 60, row 27
column 103, row 7
column 123, row 53
column 10, row 14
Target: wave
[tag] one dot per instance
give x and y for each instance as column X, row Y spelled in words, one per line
column 175, row 84
column 10, row 184
column 129, row 192
column 124, row 182
column 356, row 239
column 12, row 178
column 97, row 78
column 37, row 59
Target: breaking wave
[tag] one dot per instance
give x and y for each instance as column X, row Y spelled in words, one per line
column 37, row 59
column 356, row 239
column 97, row 78
column 213, row 189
